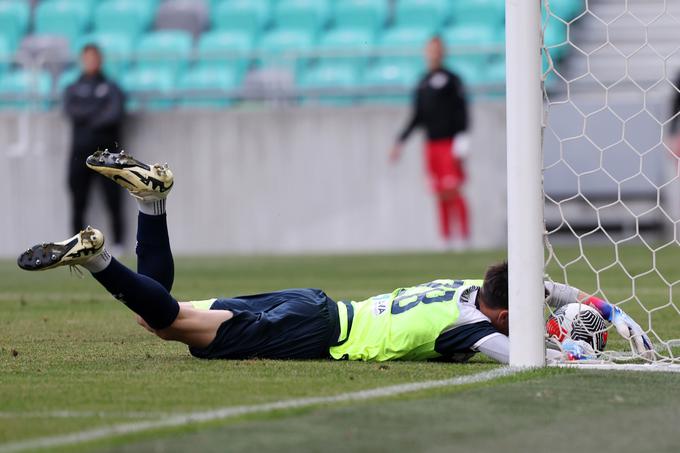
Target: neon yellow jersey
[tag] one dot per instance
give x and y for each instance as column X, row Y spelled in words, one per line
column 405, row 324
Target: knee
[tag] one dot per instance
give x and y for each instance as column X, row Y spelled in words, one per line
column 166, row 334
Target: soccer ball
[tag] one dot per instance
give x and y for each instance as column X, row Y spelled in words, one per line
column 578, row 322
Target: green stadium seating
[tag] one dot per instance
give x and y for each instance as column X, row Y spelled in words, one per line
column 331, row 75
column 467, row 70
column 405, row 44
column 494, row 72
column 361, row 14
column 116, row 47
column 14, row 18
column 555, row 38
column 468, row 36
column 169, row 50
column 280, row 47
column 226, row 48
column 5, row 54
column 202, row 86
column 67, row 77
column 131, row 17
column 348, row 45
column 472, row 34
column 387, row 76
column 567, row 9
column 306, row 15
column 426, row 14
column 23, row 89
column 247, row 15
column 489, row 12
column 62, row 17
column 150, row 81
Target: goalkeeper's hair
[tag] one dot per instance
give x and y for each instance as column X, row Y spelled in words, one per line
column 495, row 287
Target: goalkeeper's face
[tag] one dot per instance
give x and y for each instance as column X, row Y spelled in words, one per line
column 493, row 298
column 497, row 316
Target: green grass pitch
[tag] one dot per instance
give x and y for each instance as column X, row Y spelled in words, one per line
column 73, row 359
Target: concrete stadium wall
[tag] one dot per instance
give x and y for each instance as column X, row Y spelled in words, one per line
column 295, row 180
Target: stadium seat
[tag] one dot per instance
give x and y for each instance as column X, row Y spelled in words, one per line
column 67, row 77
column 23, row 89
column 468, row 70
column 116, row 47
column 246, row 15
column 459, row 39
column 123, row 16
column 149, row 87
column 493, row 72
column 186, row 15
column 390, row 81
column 53, row 51
column 61, row 17
column 329, row 75
column 207, row 86
column 566, row 9
column 169, row 50
column 348, row 45
column 361, row 14
column 14, row 18
column 280, row 49
column 226, row 48
column 555, row 38
column 488, row 12
column 405, row 44
column 306, row 15
column 426, row 14
column 5, row 54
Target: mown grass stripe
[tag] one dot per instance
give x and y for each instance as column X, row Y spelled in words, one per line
column 236, row 411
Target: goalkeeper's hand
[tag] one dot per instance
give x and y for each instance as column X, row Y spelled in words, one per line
column 631, row 331
column 577, row 350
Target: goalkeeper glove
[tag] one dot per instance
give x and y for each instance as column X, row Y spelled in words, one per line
column 559, row 294
column 631, row 331
column 577, row 350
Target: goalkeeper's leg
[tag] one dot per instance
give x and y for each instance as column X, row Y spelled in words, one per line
column 149, row 299
column 147, row 293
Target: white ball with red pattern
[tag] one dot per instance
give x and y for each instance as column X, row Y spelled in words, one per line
column 578, row 322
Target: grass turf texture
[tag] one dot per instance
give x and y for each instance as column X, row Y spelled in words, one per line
column 65, row 345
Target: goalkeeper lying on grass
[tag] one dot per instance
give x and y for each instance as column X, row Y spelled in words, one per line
column 443, row 319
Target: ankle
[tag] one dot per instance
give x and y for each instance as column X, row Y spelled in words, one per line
column 98, row 263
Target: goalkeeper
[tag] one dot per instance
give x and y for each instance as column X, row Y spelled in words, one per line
column 444, row 319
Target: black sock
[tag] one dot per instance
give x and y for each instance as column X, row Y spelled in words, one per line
column 142, row 294
column 154, row 257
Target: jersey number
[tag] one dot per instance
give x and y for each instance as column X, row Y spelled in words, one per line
column 429, row 297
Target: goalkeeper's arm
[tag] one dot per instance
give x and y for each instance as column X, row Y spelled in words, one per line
column 558, row 294
column 497, row 347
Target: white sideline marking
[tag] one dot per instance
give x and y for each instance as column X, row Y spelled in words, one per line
column 82, row 414
column 235, row 411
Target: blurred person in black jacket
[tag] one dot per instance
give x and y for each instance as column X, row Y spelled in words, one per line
column 95, row 106
column 440, row 108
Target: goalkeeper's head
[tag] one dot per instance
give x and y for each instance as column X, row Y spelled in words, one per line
column 493, row 299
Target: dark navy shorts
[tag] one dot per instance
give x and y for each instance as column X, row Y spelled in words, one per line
column 289, row 324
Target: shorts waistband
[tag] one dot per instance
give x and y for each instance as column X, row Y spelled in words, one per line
column 345, row 318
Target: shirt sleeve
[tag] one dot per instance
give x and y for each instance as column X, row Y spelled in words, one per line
column 496, row 347
column 415, row 120
column 465, row 338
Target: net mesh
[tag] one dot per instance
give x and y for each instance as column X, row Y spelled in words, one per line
column 611, row 179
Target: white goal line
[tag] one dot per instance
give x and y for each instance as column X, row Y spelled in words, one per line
column 236, row 411
column 642, row 367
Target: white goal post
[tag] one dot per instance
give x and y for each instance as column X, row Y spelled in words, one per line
column 525, row 188
column 593, row 169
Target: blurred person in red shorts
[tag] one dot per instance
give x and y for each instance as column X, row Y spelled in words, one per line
column 440, row 107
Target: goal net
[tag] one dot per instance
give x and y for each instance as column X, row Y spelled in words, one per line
column 610, row 161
